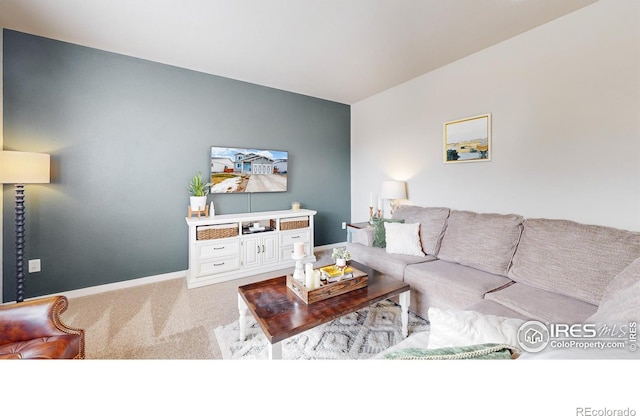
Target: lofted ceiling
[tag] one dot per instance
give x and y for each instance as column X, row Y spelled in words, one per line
column 338, row 50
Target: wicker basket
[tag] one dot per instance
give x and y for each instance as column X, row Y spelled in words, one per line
column 292, row 223
column 213, row 232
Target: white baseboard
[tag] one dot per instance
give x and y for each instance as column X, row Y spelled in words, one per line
column 149, row 279
column 123, row 285
column 329, row 246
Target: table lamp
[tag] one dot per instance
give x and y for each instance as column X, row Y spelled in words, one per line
column 393, row 190
column 19, row 168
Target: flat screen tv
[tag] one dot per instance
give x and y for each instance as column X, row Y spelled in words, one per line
column 237, row 170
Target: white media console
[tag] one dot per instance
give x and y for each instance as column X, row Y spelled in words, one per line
column 232, row 246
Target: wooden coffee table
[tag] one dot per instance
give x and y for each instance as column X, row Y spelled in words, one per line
column 282, row 314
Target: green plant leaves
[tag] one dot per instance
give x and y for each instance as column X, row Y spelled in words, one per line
column 197, row 187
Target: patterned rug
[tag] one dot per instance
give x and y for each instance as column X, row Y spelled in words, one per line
column 358, row 335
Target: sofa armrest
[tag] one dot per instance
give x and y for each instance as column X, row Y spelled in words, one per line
column 363, row 236
column 36, row 318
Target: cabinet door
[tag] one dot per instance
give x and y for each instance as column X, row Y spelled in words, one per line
column 252, row 251
column 269, row 249
column 260, row 250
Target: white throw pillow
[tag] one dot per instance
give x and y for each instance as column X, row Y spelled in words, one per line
column 621, row 299
column 454, row 328
column 403, row 238
column 622, row 306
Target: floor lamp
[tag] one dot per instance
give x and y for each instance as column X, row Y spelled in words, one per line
column 19, row 168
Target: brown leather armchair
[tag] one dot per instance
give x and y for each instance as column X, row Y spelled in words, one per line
column 32, row 329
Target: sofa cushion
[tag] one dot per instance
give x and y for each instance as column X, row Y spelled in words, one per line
column 542, row 305
column 452, row 328
column 482, row 241
column 621, row 299
column 489, row 307
column 403, row 239
column 379, row 232
column 447, row 285
column 377, row 258
column 572, row 259
column 433, row 221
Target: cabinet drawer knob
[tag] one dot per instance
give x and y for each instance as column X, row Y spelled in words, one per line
column 218, row 264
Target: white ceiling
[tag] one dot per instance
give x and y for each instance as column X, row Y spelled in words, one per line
column 339, row 50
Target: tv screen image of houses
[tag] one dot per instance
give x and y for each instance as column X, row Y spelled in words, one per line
column 237, row 170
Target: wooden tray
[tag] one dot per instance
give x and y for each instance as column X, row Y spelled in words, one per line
column 328, row 290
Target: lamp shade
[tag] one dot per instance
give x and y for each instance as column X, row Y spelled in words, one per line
column 393, row 190
column 24, row 167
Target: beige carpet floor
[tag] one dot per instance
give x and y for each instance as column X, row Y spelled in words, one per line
column 163, row 320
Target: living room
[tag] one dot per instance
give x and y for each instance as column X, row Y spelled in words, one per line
column 126, row 135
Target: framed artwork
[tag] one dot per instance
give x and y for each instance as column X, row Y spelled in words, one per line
column 468, row 139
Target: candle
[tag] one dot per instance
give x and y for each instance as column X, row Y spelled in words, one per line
column 298, row 249
column 379, row 203
column 309, row 280
column 316, row 279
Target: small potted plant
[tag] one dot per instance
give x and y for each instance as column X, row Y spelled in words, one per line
column 198, row 191
column 341, row 255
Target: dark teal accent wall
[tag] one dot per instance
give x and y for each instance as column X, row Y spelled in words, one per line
column 125, row 136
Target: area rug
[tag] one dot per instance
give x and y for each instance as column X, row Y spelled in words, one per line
column 358, row 335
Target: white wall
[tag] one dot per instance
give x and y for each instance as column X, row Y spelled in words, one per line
column 565, row 106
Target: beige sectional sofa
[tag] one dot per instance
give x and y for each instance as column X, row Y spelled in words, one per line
column 550, row 270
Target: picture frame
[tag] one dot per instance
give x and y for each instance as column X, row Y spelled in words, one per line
column 468, row 139
column 248, row 170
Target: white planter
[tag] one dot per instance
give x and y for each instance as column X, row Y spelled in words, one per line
column 341, row 262
column 198, row 203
